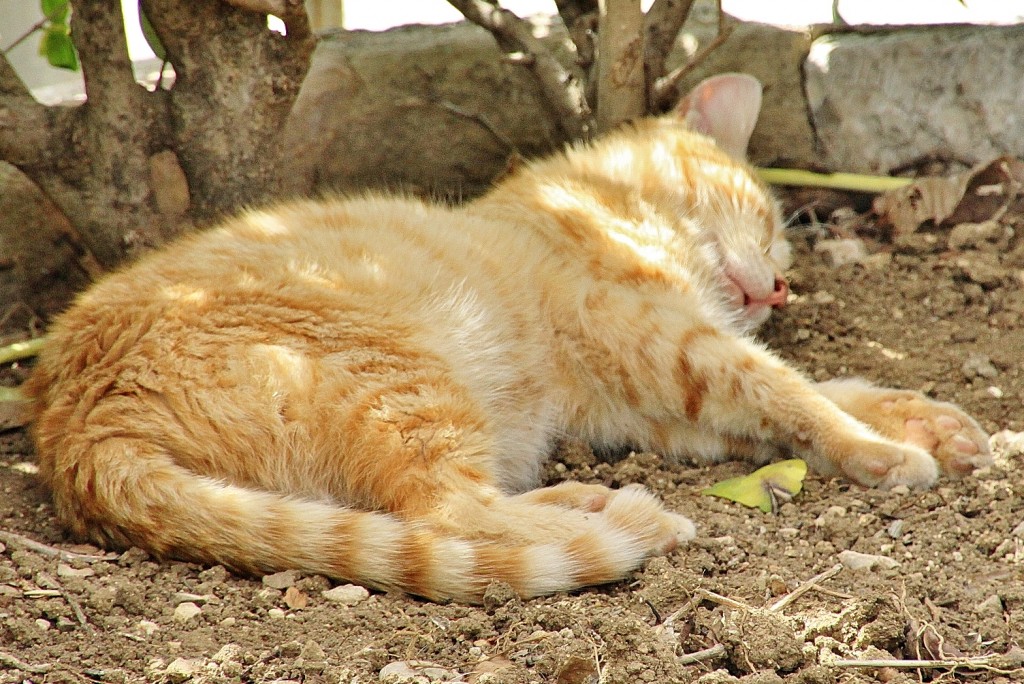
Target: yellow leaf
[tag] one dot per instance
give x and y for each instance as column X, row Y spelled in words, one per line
column 764, row 487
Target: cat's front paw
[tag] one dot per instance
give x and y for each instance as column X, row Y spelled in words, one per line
column 885, row 465
column 942, row 429
column 955, row 439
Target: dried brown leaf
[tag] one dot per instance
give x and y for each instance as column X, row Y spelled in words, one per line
column 489, row 666
column 983, row 193
column 295, row 599
column 925, row 643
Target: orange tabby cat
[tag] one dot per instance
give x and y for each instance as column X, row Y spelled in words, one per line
column 366, row 388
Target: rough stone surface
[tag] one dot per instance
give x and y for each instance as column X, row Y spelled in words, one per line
column 883, row 101
column 431, row 110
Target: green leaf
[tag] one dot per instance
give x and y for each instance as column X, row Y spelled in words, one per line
column 55, row 10
column 150, row 34
column 58, row 48
column 764, row 487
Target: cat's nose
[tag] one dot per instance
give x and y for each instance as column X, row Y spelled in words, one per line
column 777, row 299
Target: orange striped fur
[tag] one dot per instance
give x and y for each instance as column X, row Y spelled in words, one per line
column 366, row 388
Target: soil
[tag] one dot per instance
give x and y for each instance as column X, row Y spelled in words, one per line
column 741, row 598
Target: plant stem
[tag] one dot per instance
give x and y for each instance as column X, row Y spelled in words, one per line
column 855, row 182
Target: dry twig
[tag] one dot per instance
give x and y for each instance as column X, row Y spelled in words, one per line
column 710, row 653
column 8, row 660
column 8, row 537
column 1011, row 662
column 806, row 587
column 723, row 600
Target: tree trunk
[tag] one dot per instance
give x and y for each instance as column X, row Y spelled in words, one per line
column 131, row 168
column 621, row 93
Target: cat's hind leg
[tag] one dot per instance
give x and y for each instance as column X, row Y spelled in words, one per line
column 587, row 497
column 544, row 548
column 955, row 439
column 423, row 452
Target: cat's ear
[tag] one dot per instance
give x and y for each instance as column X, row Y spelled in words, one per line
column 724, row 107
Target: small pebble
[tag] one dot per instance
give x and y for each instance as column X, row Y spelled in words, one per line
column 415, row 672
column 276, row 614
column 346, row 594
column 978, row 366
column 186, row 611
column 183, row 596
column 1018, row 531
column 147, row 627
column 855, row 560
column 895, row 529
column 281, row 580
column 841, row 252
column 181, row 670
column 65, row 570
column 993, row 604
column 228, row 652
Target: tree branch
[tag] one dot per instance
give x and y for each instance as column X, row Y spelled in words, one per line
column 621, row 91
column 580, row 19
column 10, row 82
column 562, row 89
column 236, row 83
column 665, row 92
column 275, row 7
column 662, row 24
column 98, row 29
column 26, row 128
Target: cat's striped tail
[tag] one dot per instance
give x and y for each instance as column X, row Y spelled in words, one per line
column 127, row 492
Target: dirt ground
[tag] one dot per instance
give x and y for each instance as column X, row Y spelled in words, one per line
column 740, row 603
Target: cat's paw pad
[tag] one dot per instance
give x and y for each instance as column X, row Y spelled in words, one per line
column 884, row 465
column 955, row 439
column 637, row 511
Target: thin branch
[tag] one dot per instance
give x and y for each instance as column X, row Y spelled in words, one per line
column 710, row 653
column 7, row 660
column 16, row 539
column 482, row 120
column 662, row 24
column 580, row 19
column 806, row 587
column 666, row 88
column 291, row 12
column 98, row 28
column 561, row 87
column 26, row 35
column 721, row 600
column 275, row 7
column 1007, row 663
column 76, row 608
column 621, row 89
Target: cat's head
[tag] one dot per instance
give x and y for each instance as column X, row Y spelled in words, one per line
column 746, row 241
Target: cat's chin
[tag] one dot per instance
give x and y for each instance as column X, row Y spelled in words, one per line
column 755, row 316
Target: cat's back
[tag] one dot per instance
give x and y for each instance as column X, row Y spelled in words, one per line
column 331, row 278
